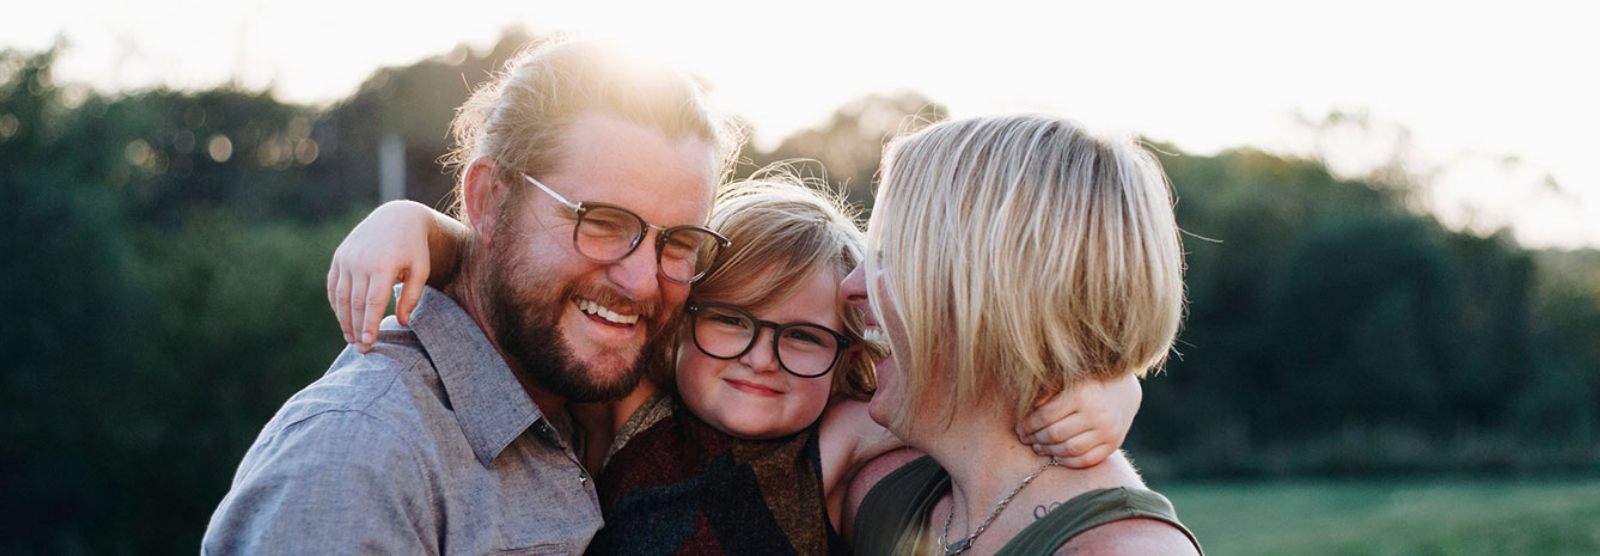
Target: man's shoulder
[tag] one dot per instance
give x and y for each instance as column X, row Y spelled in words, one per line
column 335, row 437
column 394, row 385
column 379, row 410
column 328, row 479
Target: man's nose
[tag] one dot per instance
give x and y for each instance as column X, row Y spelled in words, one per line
column 636, row 273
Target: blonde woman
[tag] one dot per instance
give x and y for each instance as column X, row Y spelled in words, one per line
column 1011, row 258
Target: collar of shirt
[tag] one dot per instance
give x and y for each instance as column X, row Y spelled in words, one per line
column 489, row 403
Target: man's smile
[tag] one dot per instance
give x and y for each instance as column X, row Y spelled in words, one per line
column 609, row 315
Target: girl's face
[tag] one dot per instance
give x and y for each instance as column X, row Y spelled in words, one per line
column 752, row 396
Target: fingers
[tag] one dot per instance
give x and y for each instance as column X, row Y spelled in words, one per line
column 1048, row 412
column 341, row 305
column 356, row 306
column 388, row 244
column 1076, row 447
column 333, row 286
column 1061, row 431
column 375, row 300
column 411, row 292
column 1090, row 458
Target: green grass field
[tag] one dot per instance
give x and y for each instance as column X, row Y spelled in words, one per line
column 1410, row 516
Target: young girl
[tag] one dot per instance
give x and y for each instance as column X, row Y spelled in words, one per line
column 763, row 349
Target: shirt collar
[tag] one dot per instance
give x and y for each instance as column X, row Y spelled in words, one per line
column 489, row 403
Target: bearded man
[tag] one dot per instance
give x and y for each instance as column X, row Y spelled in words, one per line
column 585, row 179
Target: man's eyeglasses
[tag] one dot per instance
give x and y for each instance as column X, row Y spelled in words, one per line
column 609, row 233
column 803, row 349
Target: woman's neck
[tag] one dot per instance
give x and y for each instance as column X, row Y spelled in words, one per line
column 987, row 463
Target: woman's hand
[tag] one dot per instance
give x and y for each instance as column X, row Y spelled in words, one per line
column 1086, row 425
column 400, row 240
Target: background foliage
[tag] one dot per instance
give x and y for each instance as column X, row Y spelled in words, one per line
column 164, row 255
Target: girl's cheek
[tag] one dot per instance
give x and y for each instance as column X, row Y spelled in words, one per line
column 816, row 399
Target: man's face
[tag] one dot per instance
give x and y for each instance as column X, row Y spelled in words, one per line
column 575, row 326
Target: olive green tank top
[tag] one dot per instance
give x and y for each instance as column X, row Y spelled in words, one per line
column 893, row 516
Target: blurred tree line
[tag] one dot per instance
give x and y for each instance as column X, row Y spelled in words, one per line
column 164, row 257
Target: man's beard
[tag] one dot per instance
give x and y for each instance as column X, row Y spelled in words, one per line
column 525, row 321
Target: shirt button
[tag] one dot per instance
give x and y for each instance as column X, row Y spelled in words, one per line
column 583, row 480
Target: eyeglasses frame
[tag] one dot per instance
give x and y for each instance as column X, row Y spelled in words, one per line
column 581, row 208
column 846, row 343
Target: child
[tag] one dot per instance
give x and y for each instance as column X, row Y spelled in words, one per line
column 755, row 464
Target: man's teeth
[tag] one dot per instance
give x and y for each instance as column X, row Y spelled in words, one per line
column 595, row 309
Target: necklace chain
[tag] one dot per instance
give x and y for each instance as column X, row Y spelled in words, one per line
column 966, row 543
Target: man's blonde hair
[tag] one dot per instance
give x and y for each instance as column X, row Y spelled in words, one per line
column 1023, row 255
column 519, row 116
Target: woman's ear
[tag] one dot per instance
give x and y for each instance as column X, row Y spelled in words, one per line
column 482, row 195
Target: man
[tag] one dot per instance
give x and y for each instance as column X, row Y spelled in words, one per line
column 584, row 180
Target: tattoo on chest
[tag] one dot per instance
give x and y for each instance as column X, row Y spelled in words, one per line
column 1043, row 510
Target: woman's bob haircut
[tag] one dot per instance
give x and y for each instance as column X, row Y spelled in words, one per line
column 1022, row 255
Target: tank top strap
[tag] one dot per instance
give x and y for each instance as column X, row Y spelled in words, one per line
column 1093, row 509
column 893, row 515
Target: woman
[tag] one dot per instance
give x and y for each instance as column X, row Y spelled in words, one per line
column 1009, row 258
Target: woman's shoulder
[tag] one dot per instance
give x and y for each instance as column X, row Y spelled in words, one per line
column 1133, row 537
column 1122, row 520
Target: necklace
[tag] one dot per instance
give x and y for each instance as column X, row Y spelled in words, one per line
column 966, row 543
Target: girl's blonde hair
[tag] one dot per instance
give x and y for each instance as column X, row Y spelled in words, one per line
column 1023, row 255
column 784, row 230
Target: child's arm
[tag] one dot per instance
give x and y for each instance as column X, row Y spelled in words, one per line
column 848, row 439
column 400, row 240
column 1082, row 427
column 1086, row 425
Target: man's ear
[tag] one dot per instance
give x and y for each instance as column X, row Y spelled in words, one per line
column 482, row 195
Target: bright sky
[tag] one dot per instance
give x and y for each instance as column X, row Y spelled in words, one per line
column 1497, row 99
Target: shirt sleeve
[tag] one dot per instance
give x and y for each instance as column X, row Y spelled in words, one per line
column 337, row 482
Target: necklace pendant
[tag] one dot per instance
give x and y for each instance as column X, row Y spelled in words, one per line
column 958, row 547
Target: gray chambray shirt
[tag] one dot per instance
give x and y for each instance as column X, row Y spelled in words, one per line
column 426, row 445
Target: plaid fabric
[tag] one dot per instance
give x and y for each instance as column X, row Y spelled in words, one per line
column 680, row 486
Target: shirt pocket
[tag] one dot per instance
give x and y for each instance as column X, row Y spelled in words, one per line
column 550, row 533
column 536, row 550
column 543, row 502
column 534, row 520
